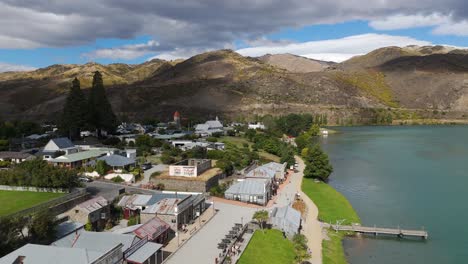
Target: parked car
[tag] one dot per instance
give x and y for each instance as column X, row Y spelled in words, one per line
column 85, row 179
column 146, row 166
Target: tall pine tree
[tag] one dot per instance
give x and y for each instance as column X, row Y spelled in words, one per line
column 74, row 112
column 101, row 116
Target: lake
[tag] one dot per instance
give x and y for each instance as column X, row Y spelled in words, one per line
column 409, row 176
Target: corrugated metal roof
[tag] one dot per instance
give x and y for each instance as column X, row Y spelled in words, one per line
column 82, row 155
column 152, row 229
column 41, row 254
column 289, row 214
column 93, row 204
column 97, row 241
column 248, row 186
column 165, row 206
column 134, row 200
column 144, row 253
column 261, row 172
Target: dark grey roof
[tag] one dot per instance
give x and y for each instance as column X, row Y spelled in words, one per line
column 14, row 155
column 67, row 228
column 63, row 142
column 117, row 160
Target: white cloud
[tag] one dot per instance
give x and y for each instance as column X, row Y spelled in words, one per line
column 335, row 49
column 441, row 24
column 409, row 21
column 6, row 67
column 457, row 29
column 126, row 52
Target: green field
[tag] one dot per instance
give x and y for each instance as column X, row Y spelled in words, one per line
column 269, row 247
column 239, row 142
column 332, row 205
column 14, row 201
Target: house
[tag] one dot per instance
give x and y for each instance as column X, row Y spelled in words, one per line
column 209, row 127
column 58, row 145
column 78, row 159
column 256, row 126
column 189, row 167
column 256, row 191
column 117, row 161
column 95, row 211
column 15, row 157
column 279, row 168
column 286, row 219
column 133, row 204
column 42, row 254
column 133, row 250
column 156, row 230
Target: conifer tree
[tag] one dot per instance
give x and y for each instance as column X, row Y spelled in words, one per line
column 74, row 112
column 101, row 116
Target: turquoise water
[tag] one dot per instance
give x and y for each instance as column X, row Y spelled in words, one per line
column 411, row 177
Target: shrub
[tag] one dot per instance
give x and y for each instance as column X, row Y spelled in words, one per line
column 117, row 179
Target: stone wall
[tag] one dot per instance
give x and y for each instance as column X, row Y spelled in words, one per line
column 32, row 189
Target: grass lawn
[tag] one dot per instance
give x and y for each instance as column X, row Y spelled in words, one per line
column 332, row 205
column 332, row 250
column 268, row 248
column 239, row 142
column 13, row 201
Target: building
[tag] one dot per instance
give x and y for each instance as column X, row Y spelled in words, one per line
column 132, row 249
column 189, row 207
column 256, row 191
column 41, row 254
column 95, row 211
column 279, row 168
column 118, row 161
column 256, row 126
column 156, row 230
column 15, row 157
column 286, row 219
column 78, row 159
column 189, row 167
column 209, row 127
column 58, row 145
column 133, row 204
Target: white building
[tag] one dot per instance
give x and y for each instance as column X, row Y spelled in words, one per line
column 209, row 127
column 258, row 125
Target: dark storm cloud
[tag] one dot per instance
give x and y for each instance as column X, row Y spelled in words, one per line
column 189, row 24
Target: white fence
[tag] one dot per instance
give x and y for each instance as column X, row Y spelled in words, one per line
column 32, row 189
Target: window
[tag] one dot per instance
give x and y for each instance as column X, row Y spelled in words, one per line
column 260, row 197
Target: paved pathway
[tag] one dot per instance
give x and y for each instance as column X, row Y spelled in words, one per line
column 155, row 168
column 202, row 248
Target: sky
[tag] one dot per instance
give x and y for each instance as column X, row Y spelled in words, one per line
column 38, row 33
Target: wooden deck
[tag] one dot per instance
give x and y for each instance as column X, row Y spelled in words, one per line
column 383, row 231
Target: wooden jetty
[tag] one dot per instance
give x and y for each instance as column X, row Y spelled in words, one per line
column 382, row 231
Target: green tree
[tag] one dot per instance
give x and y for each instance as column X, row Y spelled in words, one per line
column 42, row 227
column 261, row 217
column 88, row 226
column 300, row 247
column 74, row 112
column 317, row 163
column 101, row 167
column 101, row 117
column 314, row 130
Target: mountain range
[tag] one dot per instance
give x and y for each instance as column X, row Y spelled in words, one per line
column 413, row 82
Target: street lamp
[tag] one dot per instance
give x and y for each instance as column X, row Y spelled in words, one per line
column 176, row 209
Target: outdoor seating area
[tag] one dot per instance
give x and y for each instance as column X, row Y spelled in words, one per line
column 234, row 243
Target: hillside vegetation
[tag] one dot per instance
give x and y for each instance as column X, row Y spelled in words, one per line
column 422, row 80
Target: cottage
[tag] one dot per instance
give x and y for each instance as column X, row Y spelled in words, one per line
column 279, row 168
column 78, row 159
column 118, row 161
column 95, row 211
column 58, row 145
column 15, row 157
column 286, row 219
column 256, row 191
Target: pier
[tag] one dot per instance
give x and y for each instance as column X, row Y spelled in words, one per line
column 382, row 231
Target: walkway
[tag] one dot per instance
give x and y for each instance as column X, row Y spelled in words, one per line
column 202, row 248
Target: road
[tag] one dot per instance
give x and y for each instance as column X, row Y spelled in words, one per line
column 155, row 168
